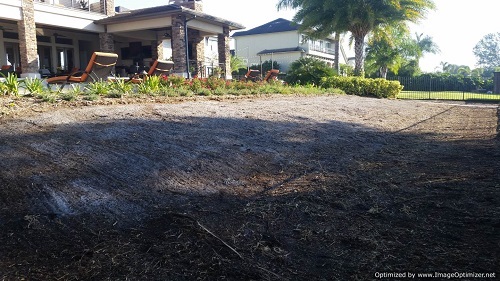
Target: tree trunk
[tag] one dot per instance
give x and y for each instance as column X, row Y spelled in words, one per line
column 359, row 54
column 337, row 51
column 383, row 72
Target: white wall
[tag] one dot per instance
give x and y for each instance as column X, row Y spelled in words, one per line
column 247, row 47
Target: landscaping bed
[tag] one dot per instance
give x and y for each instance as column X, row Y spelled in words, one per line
column 267, row 187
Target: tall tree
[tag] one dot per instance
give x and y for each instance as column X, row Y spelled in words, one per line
column 487, row 51
column 424, row 44
column 387, row 49
column 319, row 18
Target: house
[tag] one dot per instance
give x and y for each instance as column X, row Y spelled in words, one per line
column 280, row 41
column 60, row 35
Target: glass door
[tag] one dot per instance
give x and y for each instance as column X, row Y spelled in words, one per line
column 12, row 53
column 44, row 57
column 65, row 60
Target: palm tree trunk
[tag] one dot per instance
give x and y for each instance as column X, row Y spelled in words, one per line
column 337, row 51
column 359, row 54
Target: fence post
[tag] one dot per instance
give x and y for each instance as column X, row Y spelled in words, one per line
column 496, row 82
column 430, row 86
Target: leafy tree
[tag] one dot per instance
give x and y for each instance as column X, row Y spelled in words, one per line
column 410, row 68
column 387, row 49
column 320, row 18
column 307, row 71
column 487, row 50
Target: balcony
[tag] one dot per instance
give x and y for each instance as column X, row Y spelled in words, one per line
column 321, row 49
column 86, row 5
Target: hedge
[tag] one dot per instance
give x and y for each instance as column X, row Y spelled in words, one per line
column 378, row 87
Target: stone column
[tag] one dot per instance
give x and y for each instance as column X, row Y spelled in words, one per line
column 224, row 52
column 107, row 7
column 107, row 43
column 27, row 40
column 157, row 49
column 198, row 50
column 179, row 45
column 3, row 58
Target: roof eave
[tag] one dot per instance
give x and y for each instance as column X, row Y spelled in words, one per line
column 177, row 10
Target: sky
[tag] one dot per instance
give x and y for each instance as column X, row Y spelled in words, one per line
column 456, row 26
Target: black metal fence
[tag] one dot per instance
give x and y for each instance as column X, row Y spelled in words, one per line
column 446, row 88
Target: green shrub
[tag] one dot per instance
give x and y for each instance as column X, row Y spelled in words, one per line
column 11, row 84
column 308, row 70
column 378, row 87
column 174, row 81
column 203, row 92
column 33, row 85
column 68, row 96
column 98, row 88
column 3, row 89
column 122, row 87
column 48, row 96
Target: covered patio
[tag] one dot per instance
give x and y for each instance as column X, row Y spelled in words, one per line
column 40, row 40
column 171, row 32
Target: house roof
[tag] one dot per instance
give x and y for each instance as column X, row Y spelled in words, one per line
column 277, row 25
column 163, row 11
column 282, row 50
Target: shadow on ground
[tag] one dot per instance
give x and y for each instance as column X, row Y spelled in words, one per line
column 244, row 199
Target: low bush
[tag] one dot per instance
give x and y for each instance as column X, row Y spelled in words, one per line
column 378, row 87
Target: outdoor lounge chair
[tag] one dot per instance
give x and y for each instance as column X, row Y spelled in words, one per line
column 158, row 68
column 272, row 75
column 253, row 75
column 99, row 68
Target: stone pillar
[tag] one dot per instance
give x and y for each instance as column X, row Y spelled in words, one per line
column 107, row 43
column 198, row 43
column 27, row 40
column 224, row 52
column 179, row 45
column 107, row 7
column 196, row 5
column 3, row 57
column 496, row 83
column 157, row 49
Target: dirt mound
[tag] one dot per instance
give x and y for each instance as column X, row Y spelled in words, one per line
column 269, row 188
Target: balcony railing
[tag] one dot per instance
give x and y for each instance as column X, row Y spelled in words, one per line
column 86, row 5
column 321, row 49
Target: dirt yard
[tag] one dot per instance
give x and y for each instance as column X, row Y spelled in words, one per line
column 266, row 188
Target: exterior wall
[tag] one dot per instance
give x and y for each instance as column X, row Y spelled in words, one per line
column 283, row 59
column 247, row 47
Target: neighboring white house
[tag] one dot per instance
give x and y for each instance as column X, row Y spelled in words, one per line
column 280, row 41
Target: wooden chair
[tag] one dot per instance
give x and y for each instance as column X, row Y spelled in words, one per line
column 99, row 68
column 253, row 75
column 158, row 68
column 272, row 75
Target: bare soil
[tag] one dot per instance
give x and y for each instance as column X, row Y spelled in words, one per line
column 238, row 188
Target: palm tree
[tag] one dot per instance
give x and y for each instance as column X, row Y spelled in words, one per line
column 424, row 44
column 387, row 49
column 320, row 18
